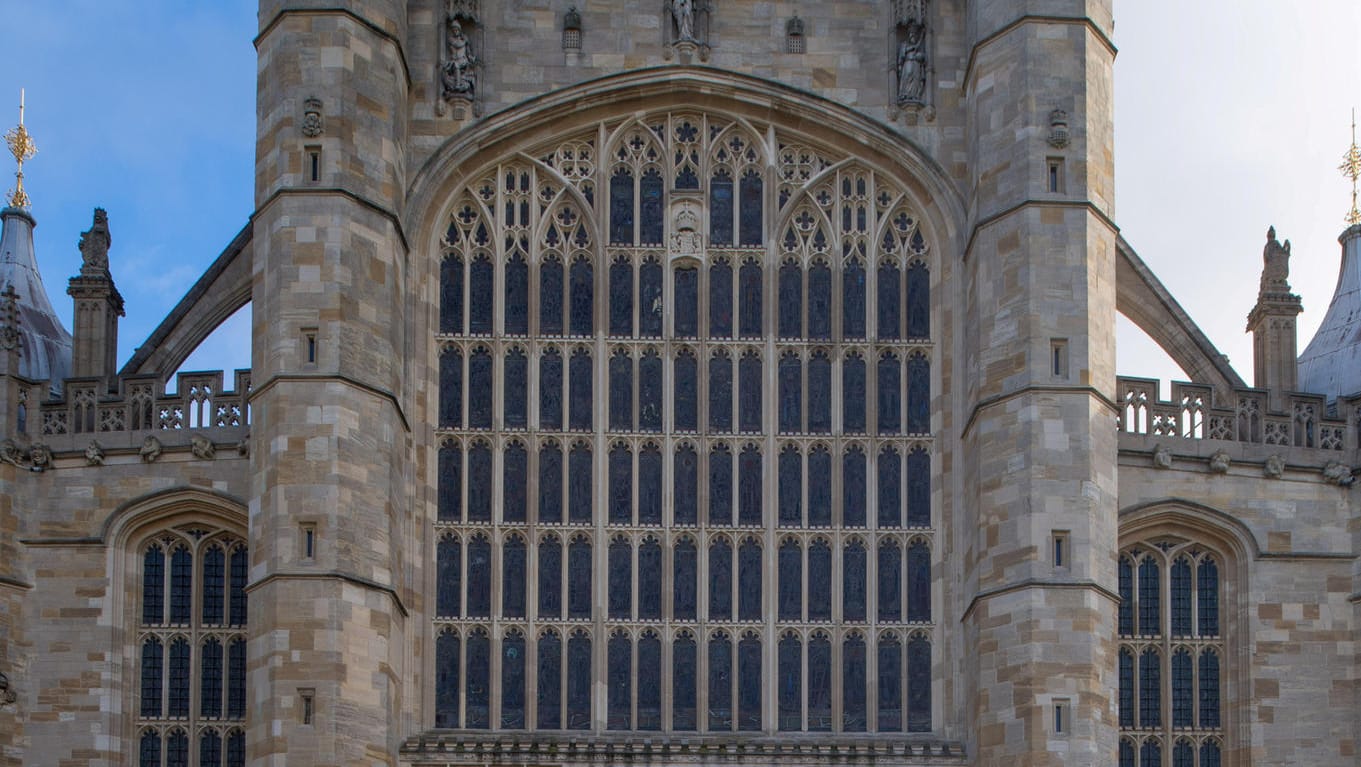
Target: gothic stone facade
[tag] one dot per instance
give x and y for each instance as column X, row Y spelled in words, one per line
column 677, row 383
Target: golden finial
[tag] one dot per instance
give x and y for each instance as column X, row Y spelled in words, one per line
column 22, row 147
column 1351, row 168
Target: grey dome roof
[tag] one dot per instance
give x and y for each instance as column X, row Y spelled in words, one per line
column 44, row 343
column 1331, row 364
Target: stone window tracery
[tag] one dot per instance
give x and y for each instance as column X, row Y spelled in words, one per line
column 731, row 490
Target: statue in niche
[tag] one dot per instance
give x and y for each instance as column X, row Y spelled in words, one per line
column 1275, row 264
column 683, row 11
column 459, row 60
column 685, row 24
column 912, row 65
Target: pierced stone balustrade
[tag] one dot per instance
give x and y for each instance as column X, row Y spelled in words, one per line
column 199, row 403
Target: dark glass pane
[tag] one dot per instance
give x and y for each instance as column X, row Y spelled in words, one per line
column 890, row 398
column 720, row 581
column 450, row 484
column 791, row 581
column 853, row 489
column 621, row 298
column 514, row 559
column 153, row 587
column 236, row 749
column 749, row 581
column 579, row 485
column 621, row 392
column 482, row 296
column 479, row 578
column 720, row 393
column 449, row 589
column 684, row 683
column 791, row 394
column 918, row 301
column 1126, row 688
column 720, row 210
column 751, row 203
column 1182, row 689
column 451, row 389
column 890, row 578
column 1126, row 753
column 720, row 486
column 918, row 489
column 788, row 678
column 890, row 296
column 853, row 685
column 550, row 485
column 583, row 292
column 580, row 391
column 853, row 582
column 1150, row 616
column 517, row 296
column 1151, row 754
column 650, row 486
column 890, row 497
column 720, row 300
column 621, row 207
column 819, row 394
column 918, row 395
column 479, row 483
column 687, row 487
column 686, row 320
column 619, row 695
column 478, row 692
column 1209, row 689
column 687, row 392
column 918, row 583
column 720, row 684
column 579, row 683
column 236, row 588
column 152, row 668
column 550, row 390
column 649, row 580
column 650, row 309
column 550, row 683
column 853, row 394
column 749, row 488
column 177, row 749
column 179, row 679
column 918, row 685
column 550, row 579
column 649, row 683
column 149, row 753
column 621, row 580
column 1150, row 689
column 513, row 683
column 1181, row 598
column 1126, row 572
column 516, row 405
column 181, row 586
column 819, row 301
column 1209, row 754
column 819, row 488
column 686, row 587
column 515, row 484
column 1183, row 754
column 479, row 389
column 819, row 685
column 791, row 488
column 749, row 684
column 791, row 301
column 650, row 392
column 236, row 679
column 651, row 220
column 749, row 392
column 1207, row 597
column 853, row 301
column 890, row 686
column 621, row 485
column 749, row 279
column 550, row 298
column 819, row 581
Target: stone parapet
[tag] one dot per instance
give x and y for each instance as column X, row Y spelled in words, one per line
column 140, row 403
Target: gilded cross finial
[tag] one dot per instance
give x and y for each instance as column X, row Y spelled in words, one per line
column 22, row 147
column 1351, row 168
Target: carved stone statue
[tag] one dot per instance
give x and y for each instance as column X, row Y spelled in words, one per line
column 151, row 449
column 202, row 447
column 1338, row 474
column 40, row 456
column 459, row 60
column 95, row 242
column 1162, row 457
column 1274, row 466
column 683, row 12
column 94, row 454
column 1275, row 264
column 1219, row 462
column 912, row 65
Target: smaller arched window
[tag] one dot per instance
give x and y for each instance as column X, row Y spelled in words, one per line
column 749, row 580
column 515, row 483
column 480, row 388
column 515, row 406
column 451, row 294
column 551, row 296
column 720, row 580
column 853, row 590
column 550, row 484
column 482, row 295
column 450, row 500
column 517, row 294
column 550, row 390
column 620, row 579
column 789, row 682
column 649, row 681
column 579, row 484
column 853, row 685
column 550, row 578
column 853, row 393
column 549, row 698
column 451, row 388
column 686, row 299
column 685, row 586
column 513, row 680
column 477, row 691
column 514, row 564
column 720, row 688
column 889, row 575
column 684, row 683
column 650, row 580
column 685, row 476
column 478, row 602
column 820, row 580
column 686, row 382
column 579, row 681
column 720, row 298
column 619, row 682
column 790, row 487
column 790, row 567
column 650, row 301
column 819, row 393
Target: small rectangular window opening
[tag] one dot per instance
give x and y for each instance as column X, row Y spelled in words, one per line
column 1058, row 357
column 306, row 697
column 309, row 540
column 314, row 163
column 1060, row 548
column 1055, row 177
column 1061, row 723
column 794, row 43
column 571, row 39
column 309, row 343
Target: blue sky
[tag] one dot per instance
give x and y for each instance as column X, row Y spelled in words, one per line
column 1231, row 115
